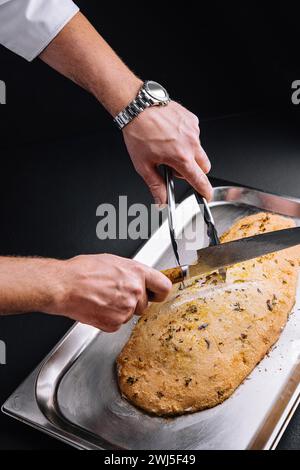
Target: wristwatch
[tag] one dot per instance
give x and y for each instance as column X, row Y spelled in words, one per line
column 151, row 94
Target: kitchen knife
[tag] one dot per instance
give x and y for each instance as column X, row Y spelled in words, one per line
column 219, row 256
column 211, row 228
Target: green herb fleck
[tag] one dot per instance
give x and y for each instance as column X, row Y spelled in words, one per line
column 187, row 381
column 203, row 326
column 131, row 380
column 237, row 307
column 191, row 309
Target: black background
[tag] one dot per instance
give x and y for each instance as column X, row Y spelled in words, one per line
column 215, row 58
column 61, row 157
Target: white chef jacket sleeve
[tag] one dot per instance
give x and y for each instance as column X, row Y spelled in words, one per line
column 28, row 26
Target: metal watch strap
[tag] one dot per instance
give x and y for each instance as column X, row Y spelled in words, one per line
column 132, row 110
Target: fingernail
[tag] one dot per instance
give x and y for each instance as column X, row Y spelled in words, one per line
column 207, row 168
column 158, row 204
column 160, row 207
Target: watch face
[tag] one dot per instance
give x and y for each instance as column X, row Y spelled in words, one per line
column 156, row 91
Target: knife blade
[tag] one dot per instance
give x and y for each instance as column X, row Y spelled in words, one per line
column 226, row 254
column 212, row 232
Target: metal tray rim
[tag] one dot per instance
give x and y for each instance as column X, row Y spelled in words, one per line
column 35, row 416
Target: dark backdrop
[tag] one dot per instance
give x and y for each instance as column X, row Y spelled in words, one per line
column 218, row 60
column 215, row 58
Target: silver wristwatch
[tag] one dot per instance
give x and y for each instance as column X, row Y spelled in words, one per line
column 151, row 94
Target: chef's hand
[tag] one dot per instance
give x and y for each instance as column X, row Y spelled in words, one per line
column 105, row 291
column 168, row 135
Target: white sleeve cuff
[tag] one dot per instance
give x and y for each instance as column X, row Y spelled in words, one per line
column 28, row 26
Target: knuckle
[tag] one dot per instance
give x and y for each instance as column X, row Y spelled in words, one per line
column 196, row 120
column 181, row 155
column 185, row 163
column 154, row 186
column 137, row 289
column 203, row 179
column 195, row 139
column 193, row 118
column 191, row 136
column 120, row 296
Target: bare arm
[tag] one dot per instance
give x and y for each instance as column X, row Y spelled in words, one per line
column 81, row 54
column 101, row 290
column 26, row 284
column 167, row 135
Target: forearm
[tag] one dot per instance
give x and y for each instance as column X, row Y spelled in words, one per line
column 28, row 284
column 162, row 135
column 101, row 290
column 81, row 54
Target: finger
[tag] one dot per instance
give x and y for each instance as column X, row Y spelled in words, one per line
column 156, row 185
column 158, row 284
column 142, row 304
column 104, row 325
column 178, row 175
column 115, row 321
column 110, row 329
column 203, row 160
column 195, row 176
column 129, row 317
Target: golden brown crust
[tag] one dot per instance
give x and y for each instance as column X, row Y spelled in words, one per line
column 194, row 350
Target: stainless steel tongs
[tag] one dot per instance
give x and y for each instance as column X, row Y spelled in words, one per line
column 208, row 218
column 171, row 204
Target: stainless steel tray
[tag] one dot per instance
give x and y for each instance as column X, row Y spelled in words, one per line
column 73, row 394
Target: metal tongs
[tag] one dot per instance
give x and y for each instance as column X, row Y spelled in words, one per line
column 211, row 227
column 208, row 218
column 171, row 204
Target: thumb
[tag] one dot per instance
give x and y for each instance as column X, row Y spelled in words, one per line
column 156, row 185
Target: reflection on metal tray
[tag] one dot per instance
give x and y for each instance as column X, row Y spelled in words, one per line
column 73, row 395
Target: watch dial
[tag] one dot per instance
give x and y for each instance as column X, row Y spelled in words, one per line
column 157, row 91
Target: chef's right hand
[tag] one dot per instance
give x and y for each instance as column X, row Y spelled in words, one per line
column 105, row 291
